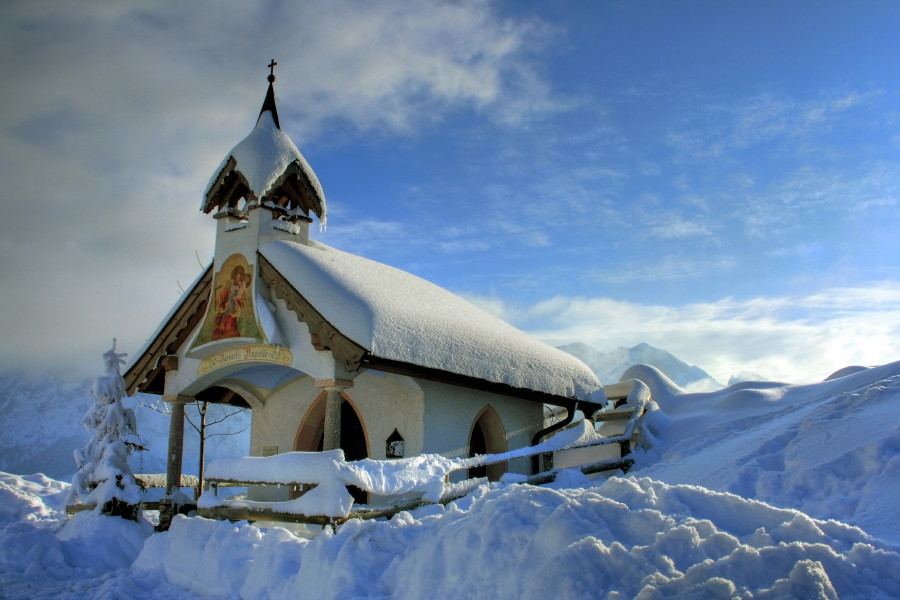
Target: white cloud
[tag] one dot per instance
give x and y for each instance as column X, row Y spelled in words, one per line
column 721, row 127
column 397, row 65
column 669, row 225
column 666, row 268
column 791, row 202
column 794, row 339
column 115, row 115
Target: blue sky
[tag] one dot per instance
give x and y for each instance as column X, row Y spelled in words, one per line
column 719, row 179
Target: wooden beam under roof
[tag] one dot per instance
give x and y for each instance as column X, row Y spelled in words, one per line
column 325, row 336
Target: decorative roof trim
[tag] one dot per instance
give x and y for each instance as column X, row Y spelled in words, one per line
column 325, row 335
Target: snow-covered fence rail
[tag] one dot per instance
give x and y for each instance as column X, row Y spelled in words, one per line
column 144, row 480
column 401, row 484
column 627, row 402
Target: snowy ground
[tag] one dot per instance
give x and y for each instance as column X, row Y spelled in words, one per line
column 760, row 490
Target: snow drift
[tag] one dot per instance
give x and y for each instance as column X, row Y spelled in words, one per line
column 760, row 490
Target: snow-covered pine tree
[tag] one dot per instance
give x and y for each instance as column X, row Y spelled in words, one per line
column 104, row 478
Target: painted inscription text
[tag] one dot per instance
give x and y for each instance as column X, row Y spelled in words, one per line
column 272, row 354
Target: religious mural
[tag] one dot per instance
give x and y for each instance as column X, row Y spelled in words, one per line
column 231, row 313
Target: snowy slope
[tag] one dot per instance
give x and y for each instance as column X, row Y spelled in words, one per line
column 830, row 449
column 41, row 424
column 760, row 490
column 41, row 427
column 609, row 366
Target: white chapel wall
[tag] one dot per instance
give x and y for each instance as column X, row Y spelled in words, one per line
column 450, row 414
column 382, row 401
column 274, row 426
column 385, row 402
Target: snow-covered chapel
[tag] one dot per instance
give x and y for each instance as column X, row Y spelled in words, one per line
column 331, row 350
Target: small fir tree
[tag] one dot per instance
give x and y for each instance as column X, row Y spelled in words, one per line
column 104, row 478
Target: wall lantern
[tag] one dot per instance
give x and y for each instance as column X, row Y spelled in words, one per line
column 394, row 447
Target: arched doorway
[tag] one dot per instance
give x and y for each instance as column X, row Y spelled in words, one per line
column 487, row 437
column 311, row 432
column 354, row 441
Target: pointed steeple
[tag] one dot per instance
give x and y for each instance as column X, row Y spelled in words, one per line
column 267, row 170
column 269, row 102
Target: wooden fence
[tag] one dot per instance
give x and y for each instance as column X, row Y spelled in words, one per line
column 627, row 405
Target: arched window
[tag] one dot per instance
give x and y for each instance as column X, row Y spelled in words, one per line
column 487, row 437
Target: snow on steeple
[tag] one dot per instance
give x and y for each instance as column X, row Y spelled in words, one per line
column 266, row 169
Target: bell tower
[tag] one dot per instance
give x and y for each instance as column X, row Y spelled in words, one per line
column 263, row 191
column 264, row 185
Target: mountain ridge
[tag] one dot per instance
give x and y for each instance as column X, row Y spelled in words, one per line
column 609, row 366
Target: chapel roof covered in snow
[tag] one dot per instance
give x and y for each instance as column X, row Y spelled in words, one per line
column 266, row 168
column 373, row 316
column 402, row 323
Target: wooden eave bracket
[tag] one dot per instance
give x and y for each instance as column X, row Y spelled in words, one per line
column 168, row 362
column 296, row 186
column 215, row 188
column 238, row 188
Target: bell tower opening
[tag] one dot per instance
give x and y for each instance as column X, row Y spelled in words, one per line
column 265, row 185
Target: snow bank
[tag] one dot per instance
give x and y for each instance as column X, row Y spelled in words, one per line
column 38, row 543
column 401, row 317
column 827, row 448
column 312, row 467
column 623, row 538
column 94, row 542
column 660, row 385
column 32, row 499
column 830, row 449
column 845, row 371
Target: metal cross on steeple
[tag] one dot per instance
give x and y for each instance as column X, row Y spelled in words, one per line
column 269, row 102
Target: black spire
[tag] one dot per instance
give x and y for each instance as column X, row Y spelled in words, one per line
column 269, row 102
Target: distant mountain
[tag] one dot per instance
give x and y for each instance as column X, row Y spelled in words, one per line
column 41, row 427
column 609, row 366
column 745, row 376
column 41, row 424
